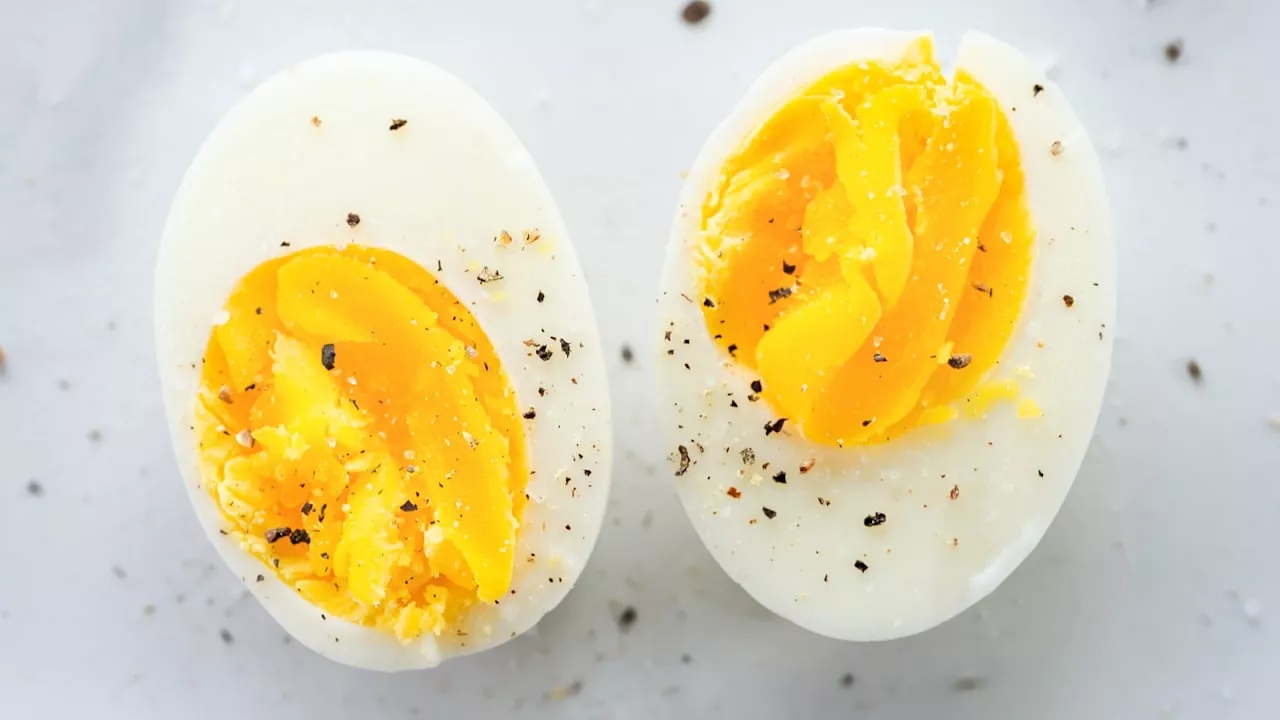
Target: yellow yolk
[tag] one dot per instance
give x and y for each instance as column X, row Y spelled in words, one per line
column 866, row 250
column 358, row 431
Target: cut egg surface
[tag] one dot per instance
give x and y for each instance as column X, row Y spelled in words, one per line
column 380, row 364
column 886, row 325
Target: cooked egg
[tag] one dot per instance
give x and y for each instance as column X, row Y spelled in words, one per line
column 886, row 320
column 380, row 365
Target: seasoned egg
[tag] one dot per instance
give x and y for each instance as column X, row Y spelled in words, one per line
column 886, row 321
column 380, row 365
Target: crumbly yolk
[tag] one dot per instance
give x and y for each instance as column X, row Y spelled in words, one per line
column 866, row 249
column 357, row 430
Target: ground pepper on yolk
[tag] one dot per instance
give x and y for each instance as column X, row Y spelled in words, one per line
column 866, row 249
column 358, row 431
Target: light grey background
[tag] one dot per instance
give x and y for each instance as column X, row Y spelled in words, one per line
column 1152, row 595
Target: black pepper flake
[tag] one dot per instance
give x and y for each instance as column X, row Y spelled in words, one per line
column 275, row 534
column 787, row 267
column 408, row 506
column 684, row 460
column 1173, row 50
column 328, row 356
column 398, row 123
column 299, row 536
column 707, row 302
column 780, row 293
column 774, row 427
column 541, row 296
column 1068, row 300
column 733, row 349
column 695, row 12
column 627, row 355
column 769, row 513
column 989, row 292
column 748, row 456
column 306, row 508
column 529, row 414
column 780, row 477
column 861, row 566
column 846, row 681
column 257, row 311
column 543, row 353
column 322, row 509
column 959, row 362
column 353, row 219
column 34, row 488
column 487, row 276
column 874, row 519
column 261, row 577
column 1040, row 473
column 226, row 636
column 565, row 347
column 1036, row 89
column 757, row 386
column 867, row 422
column 879, row 358
column 968, row 684
column 627, row 618
column 1194, row 371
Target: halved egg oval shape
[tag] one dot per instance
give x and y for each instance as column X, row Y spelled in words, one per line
column 886, row 320
column 380, row 364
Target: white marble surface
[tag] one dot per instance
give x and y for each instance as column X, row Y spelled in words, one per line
column 1153, row 595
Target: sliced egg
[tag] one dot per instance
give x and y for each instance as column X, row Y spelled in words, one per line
column 380, row 364
column 886, row 320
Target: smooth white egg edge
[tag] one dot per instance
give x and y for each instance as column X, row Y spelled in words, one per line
column 777, row 561
column 259, row 180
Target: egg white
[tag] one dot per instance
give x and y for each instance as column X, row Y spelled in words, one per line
column 934, row 556
column 437, row 190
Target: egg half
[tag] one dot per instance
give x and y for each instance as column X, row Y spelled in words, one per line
column 886, row 324
column 380, row 365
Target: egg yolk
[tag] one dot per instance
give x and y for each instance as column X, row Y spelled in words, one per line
column 866, row 249
column 357, row 430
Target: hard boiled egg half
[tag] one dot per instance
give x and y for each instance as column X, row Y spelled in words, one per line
column 380, row 365
column 886, row 323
